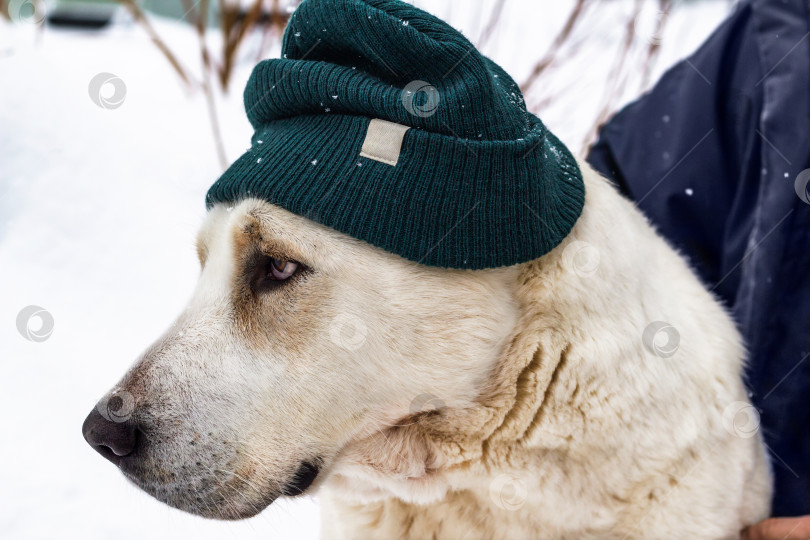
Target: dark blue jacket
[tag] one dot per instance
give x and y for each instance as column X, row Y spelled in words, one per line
column 712, row 155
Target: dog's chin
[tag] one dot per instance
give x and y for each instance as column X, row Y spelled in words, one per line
column 229, row 510
column 225, row 501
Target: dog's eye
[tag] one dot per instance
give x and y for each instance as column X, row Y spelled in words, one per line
column 267, row 272
column 281, row 269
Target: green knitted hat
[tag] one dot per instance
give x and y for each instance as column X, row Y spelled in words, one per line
column 384, row 123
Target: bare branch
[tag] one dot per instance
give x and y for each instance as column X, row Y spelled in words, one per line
column 654, row 49
column 494, row 19
column 551, row 54
column 618, row 76
column 234, row 30
column 140, row 18
column 201, row 9
column 279, row 17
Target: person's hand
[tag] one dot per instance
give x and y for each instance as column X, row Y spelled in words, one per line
column 779, row 529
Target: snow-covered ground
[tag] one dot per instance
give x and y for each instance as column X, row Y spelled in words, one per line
column 98, row 212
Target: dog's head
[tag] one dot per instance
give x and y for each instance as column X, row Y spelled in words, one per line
column 297, row 341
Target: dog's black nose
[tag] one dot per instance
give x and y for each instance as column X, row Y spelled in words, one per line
column 110, row 438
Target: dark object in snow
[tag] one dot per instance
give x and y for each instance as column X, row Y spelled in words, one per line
column 714, row 155
column 81, row 15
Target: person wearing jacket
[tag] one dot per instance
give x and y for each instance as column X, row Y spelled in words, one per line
column 717, row 155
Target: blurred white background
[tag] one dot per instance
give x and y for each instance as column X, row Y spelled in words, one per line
column 99, row 209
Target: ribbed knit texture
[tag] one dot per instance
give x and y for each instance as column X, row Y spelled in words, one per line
column 479, row 183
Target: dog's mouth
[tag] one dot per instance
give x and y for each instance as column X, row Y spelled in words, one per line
column 303, row 478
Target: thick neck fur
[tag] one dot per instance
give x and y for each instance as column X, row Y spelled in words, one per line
column 582, row 431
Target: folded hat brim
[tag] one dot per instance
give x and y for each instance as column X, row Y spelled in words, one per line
column 448, row 202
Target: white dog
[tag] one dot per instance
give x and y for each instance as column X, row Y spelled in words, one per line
column 595, row 392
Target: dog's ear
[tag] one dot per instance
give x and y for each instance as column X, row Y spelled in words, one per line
column 504, row 412
column 509, row 408
column 522, row 386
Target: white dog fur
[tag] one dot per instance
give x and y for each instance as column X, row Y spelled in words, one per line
column 519, row 402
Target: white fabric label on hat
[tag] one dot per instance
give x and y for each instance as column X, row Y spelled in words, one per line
column 383, row 141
